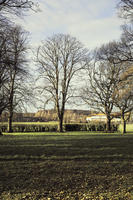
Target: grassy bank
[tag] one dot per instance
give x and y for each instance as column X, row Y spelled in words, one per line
column 70, row 166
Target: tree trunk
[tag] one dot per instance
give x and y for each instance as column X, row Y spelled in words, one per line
column 108, row 125
column 123, row 124
column 61, row 118
column 0, row 129
column 10, row 130
column 0, row 132
column 61, row 125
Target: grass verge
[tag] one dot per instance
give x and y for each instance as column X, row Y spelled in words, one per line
column 70, row 166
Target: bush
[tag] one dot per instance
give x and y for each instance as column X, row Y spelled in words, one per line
column 31, row 128
column 100, row 127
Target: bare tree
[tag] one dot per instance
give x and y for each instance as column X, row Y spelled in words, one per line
column 102, row 78
column 16, row 7
column 123, row 96
column 60, row 58
column 4, row 47
column 17, row 70
column 99, row 89
column 125, row 47
column 9, row 56
column 120, row 51
column 126, row 9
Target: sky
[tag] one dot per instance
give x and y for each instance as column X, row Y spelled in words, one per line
column 92, row 22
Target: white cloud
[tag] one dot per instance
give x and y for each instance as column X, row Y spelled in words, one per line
column 92, row 22
column 95, row 32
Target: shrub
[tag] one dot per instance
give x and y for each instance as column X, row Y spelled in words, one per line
column 100, row 127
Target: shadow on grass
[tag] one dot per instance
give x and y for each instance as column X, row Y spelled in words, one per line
column 59, row 167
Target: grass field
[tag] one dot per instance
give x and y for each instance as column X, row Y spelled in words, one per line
column 72, row 166
column 129, row 128
column 31, row 123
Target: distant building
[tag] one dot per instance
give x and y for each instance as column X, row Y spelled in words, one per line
column 97, row 117
column 102, row 118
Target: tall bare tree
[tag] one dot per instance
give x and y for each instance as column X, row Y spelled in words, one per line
column 102, row 77
column 60, row 58
column 7, row 46
column 17, row 70
column 123, row 96
column 99, row 88
column 4, row 48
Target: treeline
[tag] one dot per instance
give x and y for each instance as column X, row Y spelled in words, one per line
column 66, row 72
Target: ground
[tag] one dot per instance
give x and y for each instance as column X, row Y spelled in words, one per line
column 73, row 166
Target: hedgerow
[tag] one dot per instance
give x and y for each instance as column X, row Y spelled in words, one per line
column 92, row 127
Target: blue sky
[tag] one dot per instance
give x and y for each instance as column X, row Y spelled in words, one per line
column 92, row 22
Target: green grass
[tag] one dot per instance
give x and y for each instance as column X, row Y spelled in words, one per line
column 129, row 128
column 72, row 166
column 31, row 123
